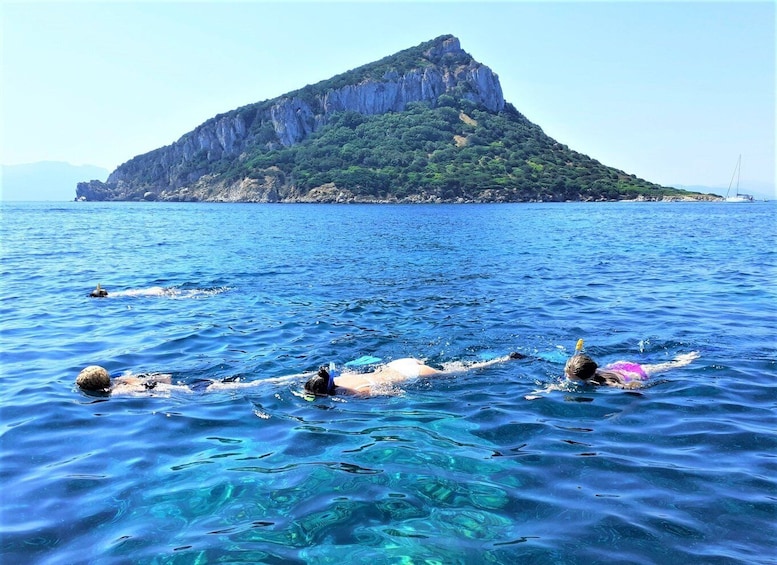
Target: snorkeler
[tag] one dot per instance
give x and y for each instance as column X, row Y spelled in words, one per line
column 622, row 374
column 328, row 382
column 96, row 380
column 98, row 292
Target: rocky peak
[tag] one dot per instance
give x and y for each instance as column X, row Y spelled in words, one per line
column 442, row 67
column 443, row 46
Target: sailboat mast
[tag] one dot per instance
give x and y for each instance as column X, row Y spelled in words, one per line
column 739, row 170
column 736, row 174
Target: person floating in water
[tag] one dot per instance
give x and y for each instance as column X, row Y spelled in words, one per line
column 98, row 292
column 622, row 374
column 328, row 382
column 96, row 380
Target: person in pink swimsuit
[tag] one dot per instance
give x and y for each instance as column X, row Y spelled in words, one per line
column 623, row 374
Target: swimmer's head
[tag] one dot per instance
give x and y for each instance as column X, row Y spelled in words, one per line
column 98, row 292
column 322, row 384
column 580, row 367
column 93, row 379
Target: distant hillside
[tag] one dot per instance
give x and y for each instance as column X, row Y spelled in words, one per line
column 428, row 124
column 45, row 180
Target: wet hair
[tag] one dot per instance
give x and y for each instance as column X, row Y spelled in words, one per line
column 321, row 384
column 580, row 367
column 93, row 379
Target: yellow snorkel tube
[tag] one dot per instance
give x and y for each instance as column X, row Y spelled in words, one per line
column 579, row 347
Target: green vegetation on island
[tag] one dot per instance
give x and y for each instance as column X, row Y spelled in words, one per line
column 451, row 152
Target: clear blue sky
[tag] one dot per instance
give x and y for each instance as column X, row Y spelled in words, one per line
column 672, row 92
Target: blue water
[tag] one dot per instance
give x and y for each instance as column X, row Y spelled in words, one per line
column 500, row 465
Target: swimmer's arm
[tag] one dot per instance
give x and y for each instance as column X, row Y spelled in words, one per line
column 680, row 361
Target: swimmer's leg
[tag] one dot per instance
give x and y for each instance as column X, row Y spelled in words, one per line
column 200, row 385
column 680, row 361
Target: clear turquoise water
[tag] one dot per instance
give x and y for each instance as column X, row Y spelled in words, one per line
column 503, row 465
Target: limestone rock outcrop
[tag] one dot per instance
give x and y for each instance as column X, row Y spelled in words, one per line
column 290, row 119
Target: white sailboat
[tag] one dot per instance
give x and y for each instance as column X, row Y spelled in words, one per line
column 738, row 196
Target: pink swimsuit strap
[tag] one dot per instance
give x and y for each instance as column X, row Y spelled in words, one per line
column 629, row 370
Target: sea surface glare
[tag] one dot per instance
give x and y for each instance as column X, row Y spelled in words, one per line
column 506, row 464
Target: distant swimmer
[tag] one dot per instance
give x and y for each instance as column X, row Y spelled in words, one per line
column 328, row 381
column 622, row 374
column 98, row 292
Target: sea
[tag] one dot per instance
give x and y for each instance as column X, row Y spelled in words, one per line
column 502, row 464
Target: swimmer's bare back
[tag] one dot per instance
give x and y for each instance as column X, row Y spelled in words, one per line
column 153, row 383
column 385, row 376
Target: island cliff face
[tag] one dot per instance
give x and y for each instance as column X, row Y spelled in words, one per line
column 252, row 154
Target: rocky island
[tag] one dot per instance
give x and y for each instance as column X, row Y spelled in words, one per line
column 427, row 124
